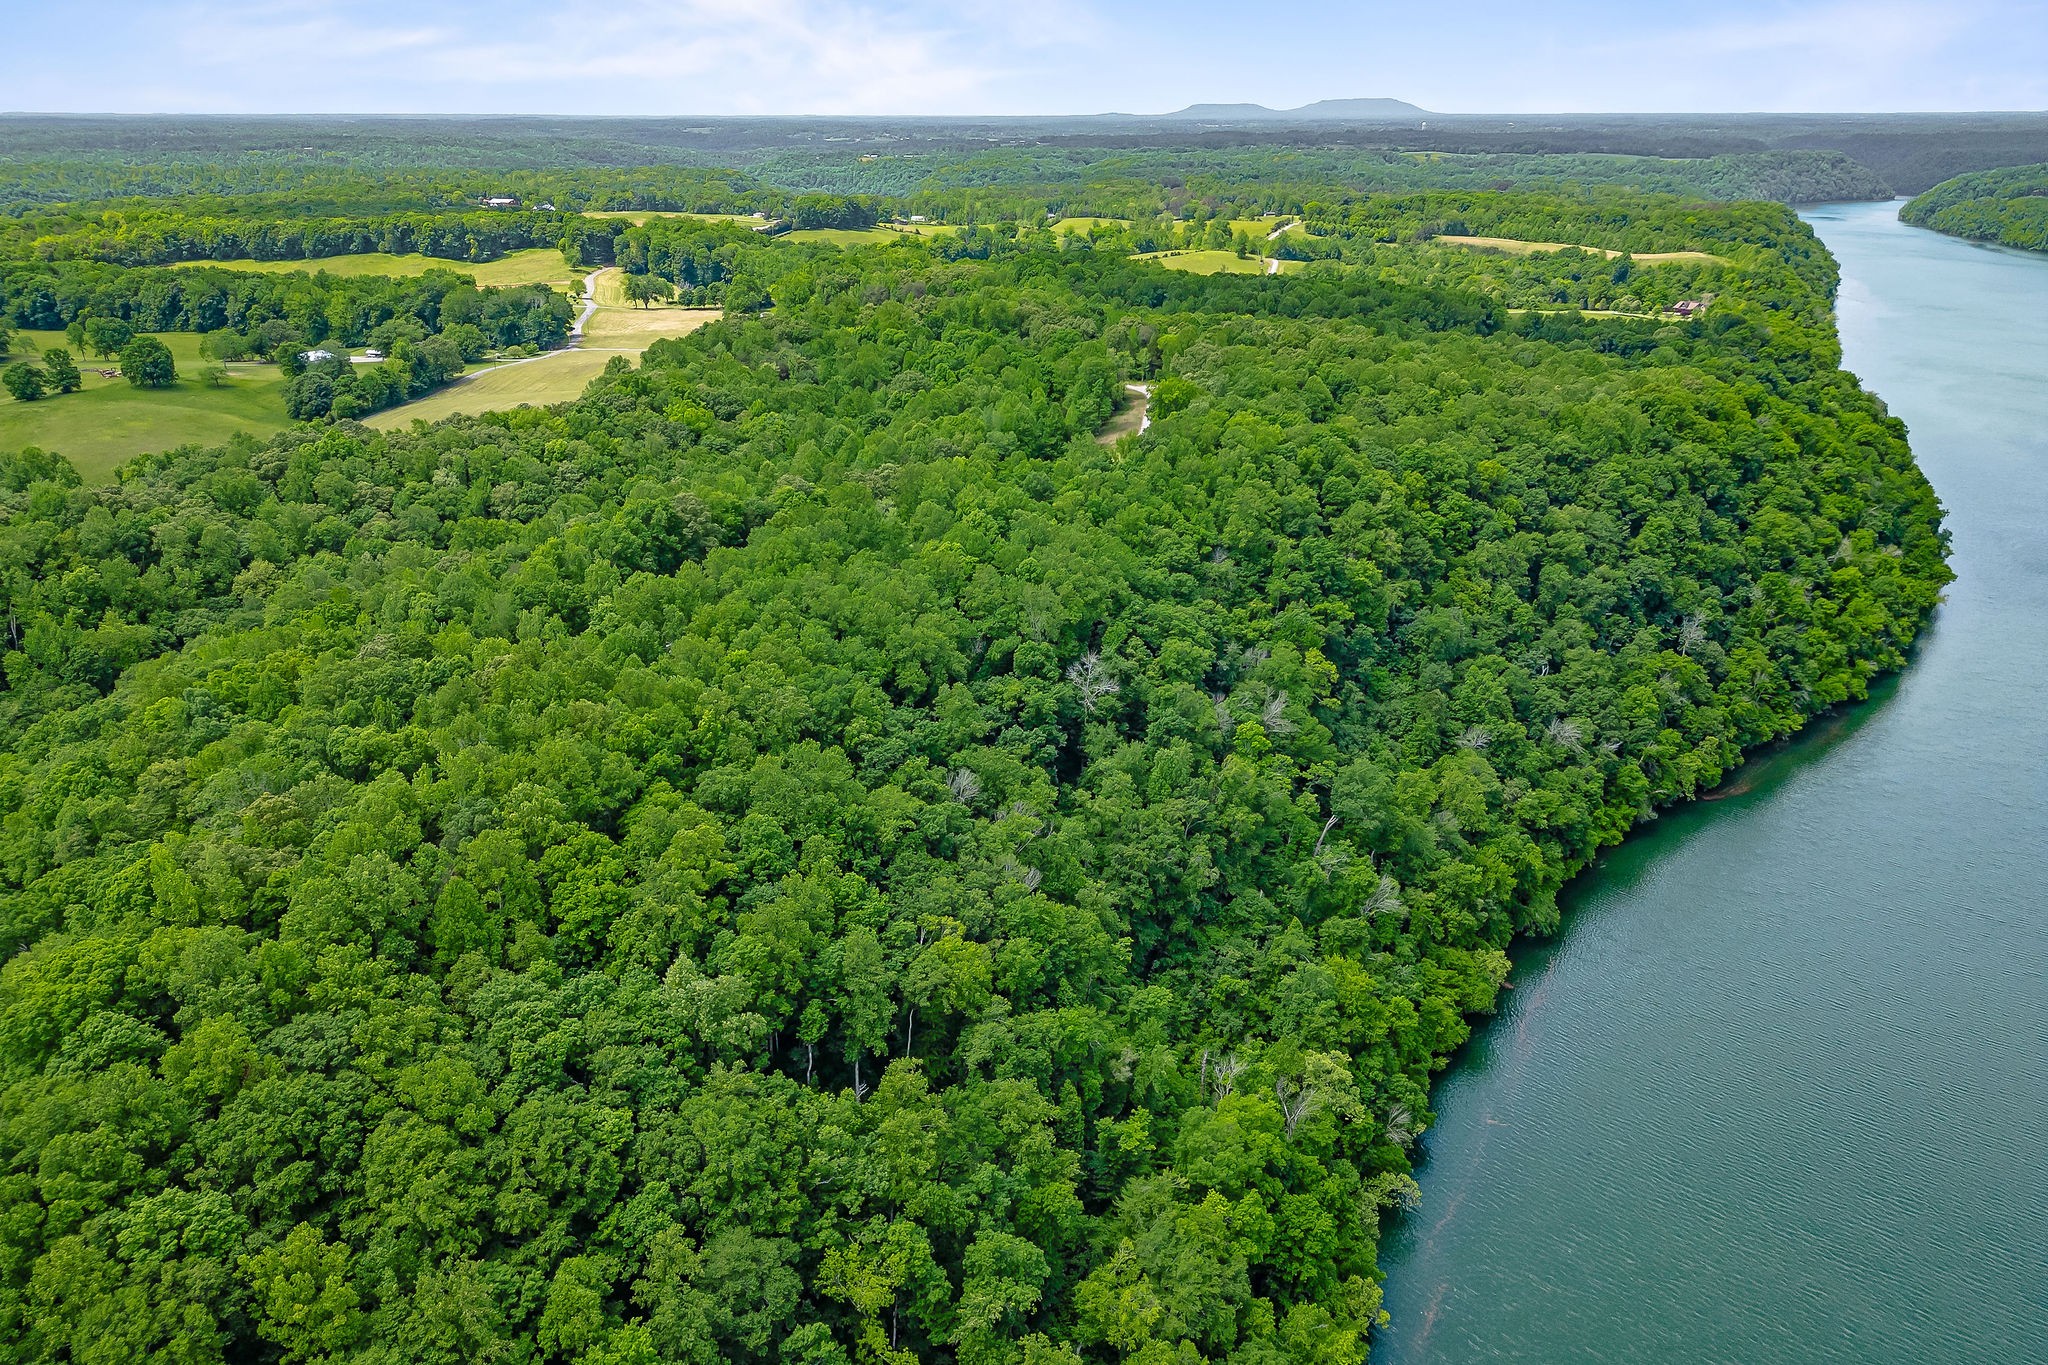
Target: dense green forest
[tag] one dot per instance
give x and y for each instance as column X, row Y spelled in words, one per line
column 1009, row 183
column 984, row 186
column 154, row 235
column 309, row 307
column 1797, row 158
column 806, row 855
column 2009, row 207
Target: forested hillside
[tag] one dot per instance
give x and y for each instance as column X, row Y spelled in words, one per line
column 206, row 195
column 2009, row 207
column 805, row 855
column 162, row 236
column 1127, row 183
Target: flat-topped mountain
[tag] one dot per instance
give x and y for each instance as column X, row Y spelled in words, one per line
column 1319, row 112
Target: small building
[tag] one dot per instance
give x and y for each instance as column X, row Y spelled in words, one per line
column 502, row 201
column 316, row 356
column 919, row 218
column 372, row 353
column 1689, row 308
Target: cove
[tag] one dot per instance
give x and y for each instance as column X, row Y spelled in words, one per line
column 1778, row 1091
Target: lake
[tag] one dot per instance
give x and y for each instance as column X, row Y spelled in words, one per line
column 1778, row 1091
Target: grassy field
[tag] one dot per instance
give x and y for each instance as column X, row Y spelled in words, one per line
column 1262, row 228
column 841, row 236
column 616, row 328
column 639, row 216
column 540, row 265
column 553, row 378
column 110, row 421
column 635, row 329
column 1214, row 262
column 1088, row 225
column 609, row 288
column 883, row 232
column 1515, row 247
column 616, row 314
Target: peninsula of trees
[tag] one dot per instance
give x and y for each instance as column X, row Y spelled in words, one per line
column 2009, row 207
column 809, row 853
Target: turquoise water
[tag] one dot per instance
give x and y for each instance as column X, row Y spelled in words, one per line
column 1778, row 1093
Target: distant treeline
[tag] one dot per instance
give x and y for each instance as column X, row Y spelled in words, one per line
column 51, row 295
column 1015, row 185
column 1613, row 222
column 167, row 236
column 327, row 184
column 954, row 186
column 1019, row 182
column 2009, row 207
column 153, row 236
column 48, row 159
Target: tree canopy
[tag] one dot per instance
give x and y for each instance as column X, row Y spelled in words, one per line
column 806, row 855
column 2007, row 206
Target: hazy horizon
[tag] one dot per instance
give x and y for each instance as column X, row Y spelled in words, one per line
column 978, row 115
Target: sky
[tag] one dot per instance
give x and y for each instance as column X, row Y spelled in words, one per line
column 1016, row 56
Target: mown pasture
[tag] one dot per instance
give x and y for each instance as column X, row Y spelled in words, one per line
column 108, row 421
column 538, row 265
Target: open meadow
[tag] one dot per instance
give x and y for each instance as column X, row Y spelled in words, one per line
column 615, row 328
column 881, row 232
column 1511, row 246
column 537, row 265
column 555, row 377
column 639, row 216
column 1218, row 263
column 109, row 421
column 635, row 329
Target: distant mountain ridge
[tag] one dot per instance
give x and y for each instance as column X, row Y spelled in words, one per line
column 1322, row 111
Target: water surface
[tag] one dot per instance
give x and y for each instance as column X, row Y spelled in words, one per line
column 1779, row 1091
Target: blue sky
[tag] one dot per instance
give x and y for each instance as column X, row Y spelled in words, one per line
column 1017, row 56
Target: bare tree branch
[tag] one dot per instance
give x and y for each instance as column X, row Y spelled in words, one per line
column 1092, row 680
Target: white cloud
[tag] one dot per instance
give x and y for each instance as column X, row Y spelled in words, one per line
column 1014, row 56
column 1852, row 54
column 629, row 56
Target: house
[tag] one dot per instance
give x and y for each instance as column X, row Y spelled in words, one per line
column 501, row 201
column 315, row 357
column 919, row 218
column 372, row 353
column 1689, row 308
